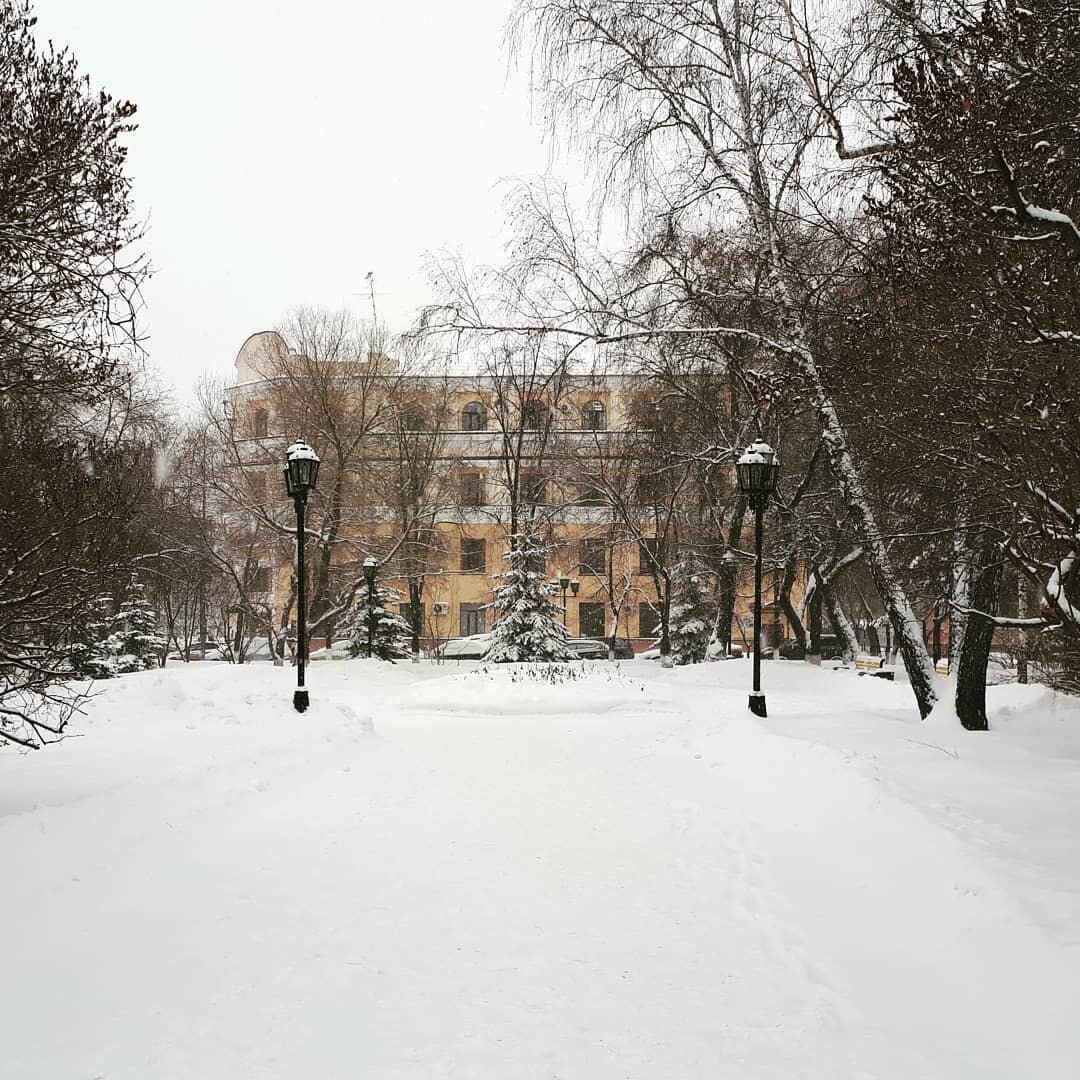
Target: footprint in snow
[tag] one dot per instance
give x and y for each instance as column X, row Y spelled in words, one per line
column 365, row 723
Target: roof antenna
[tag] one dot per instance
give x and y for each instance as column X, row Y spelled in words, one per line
column 369, row 277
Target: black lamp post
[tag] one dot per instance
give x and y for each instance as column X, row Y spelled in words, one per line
column 564, row 584
column 301, row 472
column 757, row 470
column 370, row 568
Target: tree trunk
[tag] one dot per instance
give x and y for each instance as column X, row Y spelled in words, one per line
column 813, row 652
column 841, row 624
column 786, row 585
column 1027, row 605
column 416, row 594
column 665, row 620
column 978, row 637
column 729, row 575
column 961, row 592
column 917, row 663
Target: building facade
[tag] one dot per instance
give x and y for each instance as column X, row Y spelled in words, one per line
column 431, row 473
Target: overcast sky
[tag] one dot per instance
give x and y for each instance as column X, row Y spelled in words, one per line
column 286, row 149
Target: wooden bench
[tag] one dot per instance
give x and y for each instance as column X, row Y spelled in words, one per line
column 874, row 666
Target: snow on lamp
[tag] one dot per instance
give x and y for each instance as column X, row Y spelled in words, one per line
column 301, row 470
column 757, row 470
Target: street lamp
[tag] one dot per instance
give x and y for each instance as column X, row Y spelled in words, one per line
column 370, row 567
column 757, row 470
column 301, row 472
column 564, row 584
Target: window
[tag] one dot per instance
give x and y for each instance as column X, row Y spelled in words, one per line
column 474, row 417
column 471, row 489
column 650, row 489
column 260, row 580
column 593, row 557
column 590, row 620
column 650, row 551
column 472, row 619
column 594, row 416
column 648, row 621
column 260, row 486
column 534, row 488
column 407, row 611
column 535, row 416
column 591, row 495
column 473, row 556
column 260, row 423
column 411, row 417
column 1009, row 595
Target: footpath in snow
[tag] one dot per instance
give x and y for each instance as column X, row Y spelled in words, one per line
column 443, row 872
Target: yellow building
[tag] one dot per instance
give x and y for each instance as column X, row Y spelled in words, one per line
column 493, row 447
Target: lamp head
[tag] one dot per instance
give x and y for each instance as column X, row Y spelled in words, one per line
column 301, row 471
column 757, row 470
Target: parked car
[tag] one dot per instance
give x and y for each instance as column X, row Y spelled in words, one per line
column 588, row 648
column 199, row 650
column 715, row 650
column 474, row 647
column 795, row 648
column 623, row 649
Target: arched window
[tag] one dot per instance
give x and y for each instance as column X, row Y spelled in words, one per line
column 594, row 416
column 535, row 416
column 474, row 417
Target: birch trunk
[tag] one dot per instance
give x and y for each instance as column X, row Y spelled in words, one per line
column 961, row 593
column 841, row 624
column 906, row 626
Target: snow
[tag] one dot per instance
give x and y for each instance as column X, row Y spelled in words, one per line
column 474, row 872
column 759, row 453
column 300, row 451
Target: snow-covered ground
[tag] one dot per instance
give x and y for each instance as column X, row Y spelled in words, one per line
column 446, row 872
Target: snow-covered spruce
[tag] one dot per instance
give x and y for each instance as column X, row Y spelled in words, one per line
column 88, row 653
column 527, row 623
column 135, row 643
column 692, row 613
column 105, row 644
column 389, row 632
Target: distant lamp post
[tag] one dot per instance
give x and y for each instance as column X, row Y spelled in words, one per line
column 370, row 569
column 301, row 472
column 757, row 470
column 564, row 584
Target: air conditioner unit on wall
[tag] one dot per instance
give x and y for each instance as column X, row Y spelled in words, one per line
column 441, row 608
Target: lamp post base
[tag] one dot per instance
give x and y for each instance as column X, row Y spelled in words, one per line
column 300, row 700
column 757, row 703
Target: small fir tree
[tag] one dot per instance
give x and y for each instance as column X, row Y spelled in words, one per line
column 89, row 655
column 691, row 615
column 390, row 632
column 527, row 623
column 135, row 643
